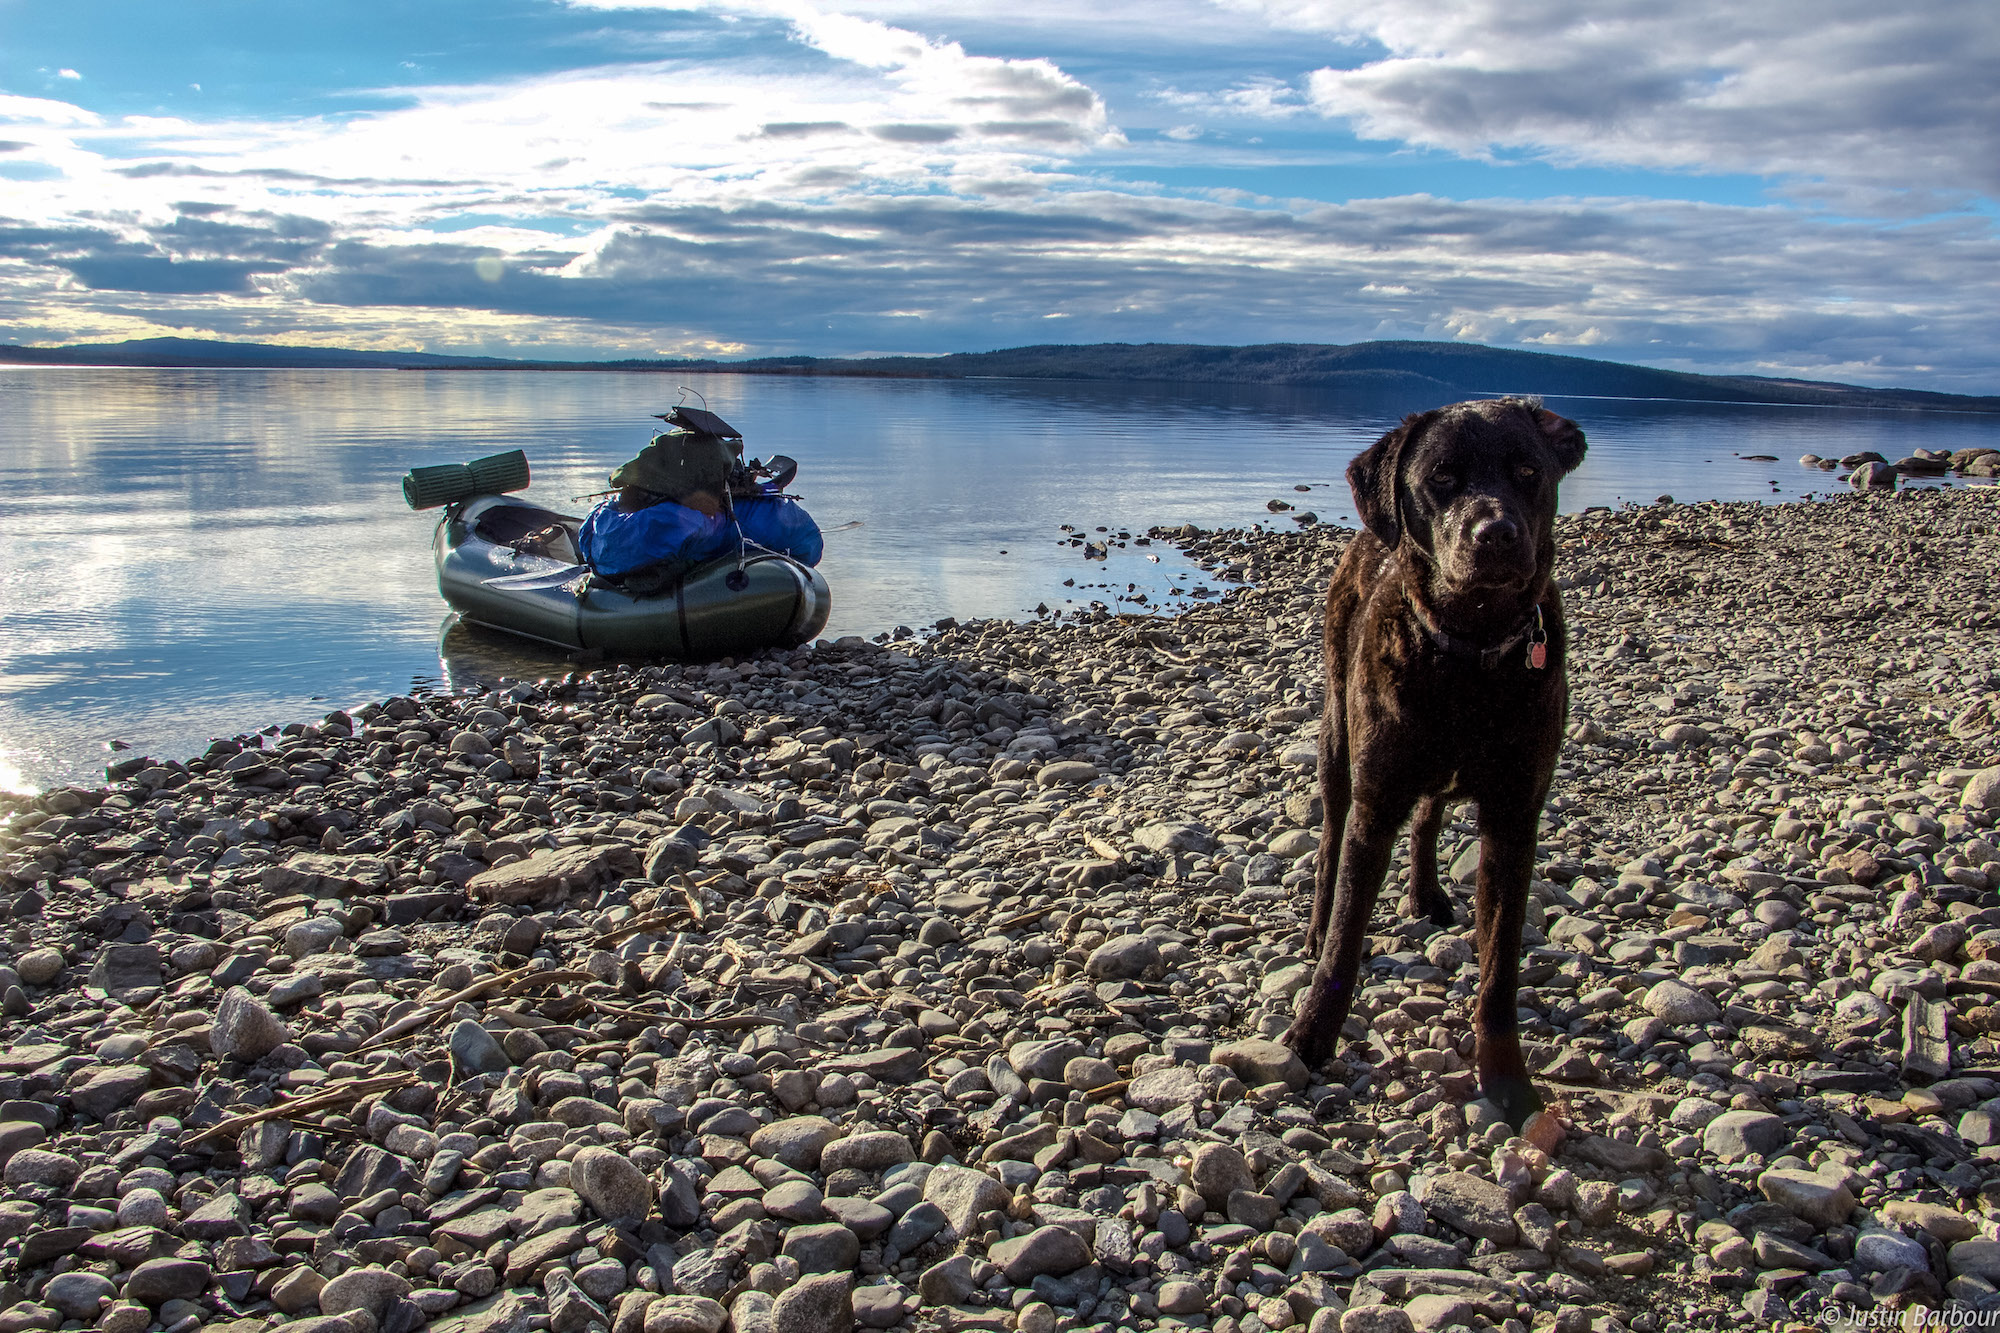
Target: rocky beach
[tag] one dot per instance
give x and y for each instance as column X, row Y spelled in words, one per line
column 933, row 984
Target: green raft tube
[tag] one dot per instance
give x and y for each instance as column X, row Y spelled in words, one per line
column 736, row 604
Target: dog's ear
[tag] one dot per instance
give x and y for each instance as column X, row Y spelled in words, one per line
column 1563, row 435
column 1374, row 478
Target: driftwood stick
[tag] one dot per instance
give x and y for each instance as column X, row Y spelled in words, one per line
column 638, row 926
column 723, row 1023
column 437, row 1009
column 1023, row 918
column 343, row 1093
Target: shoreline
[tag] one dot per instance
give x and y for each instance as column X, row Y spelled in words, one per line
column 1027, row 896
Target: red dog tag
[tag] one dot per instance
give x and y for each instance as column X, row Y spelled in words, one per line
column 1538, row 656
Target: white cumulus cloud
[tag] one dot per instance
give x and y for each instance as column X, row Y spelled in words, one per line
column 1888, row 97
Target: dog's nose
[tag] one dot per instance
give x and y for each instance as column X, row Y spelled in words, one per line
column 1497, row 531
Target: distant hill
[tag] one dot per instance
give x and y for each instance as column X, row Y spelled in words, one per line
column 1437, row 369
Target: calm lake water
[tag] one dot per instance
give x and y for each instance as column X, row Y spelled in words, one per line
column 195, row 553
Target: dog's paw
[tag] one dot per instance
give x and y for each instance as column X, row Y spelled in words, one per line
column 1516, row 1098
column 1435, row 906
column 1314, row 1041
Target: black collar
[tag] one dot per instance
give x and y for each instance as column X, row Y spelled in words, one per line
column 1529, row 631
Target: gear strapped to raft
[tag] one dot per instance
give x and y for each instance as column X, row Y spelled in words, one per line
column 685, row 471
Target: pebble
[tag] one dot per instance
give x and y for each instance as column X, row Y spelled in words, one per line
column 244, row 1027
column 937, row 982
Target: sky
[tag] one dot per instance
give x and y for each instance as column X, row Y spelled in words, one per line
column 1793, row 187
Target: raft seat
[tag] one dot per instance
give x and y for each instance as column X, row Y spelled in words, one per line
column 506, row 524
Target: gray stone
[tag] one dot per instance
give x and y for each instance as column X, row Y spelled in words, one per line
column 1087, row 1072
column 1375, row 1319
column 109, row 1090
column 126, row 971
column 680, row 1205
column 825, row 1247
column 1124, row 958
column 1735, row 1135
column 1398, row 1213
column 365, row 1288
column 797, row 1141
column 1258, row 1062
column 38, row 967
column 874, row 1151
column 1051, row 1250
column 1043, row 1059
column 864, row 1217
column 1216, row 1171
column 707, row 1273
column 157, row 1281
column 1438, row 1311
column 1880, row 1251
column 1812, row 1196
column 878, row 1307
column 816, row 1303
column 501, row 1312
column 245, row 1028
column 949, row 1281
column 1475, row 1206
column 40, row 1166
column 18, row 1134
column 752, row 1312
column 963, row 1194
column 685, row 1314
column 1678, row 1004
column 315, row 935
column 611, row 1185
column 1163, row 1090
column 474, row 1050
column 894, row 1064
column 916, row 1226
column 1979, row 1257
column 1169, row 838
column 223, row 1216
column 551, row 876
column 797, row 1201
column 78, row 1295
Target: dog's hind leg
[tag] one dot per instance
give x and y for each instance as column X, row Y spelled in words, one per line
column 1364, row 859
column 1431, row 900
column 1335, row 792
column 1506, row 863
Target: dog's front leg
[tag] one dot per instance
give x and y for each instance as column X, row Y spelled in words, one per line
column 1335, row 794
column 1364, row 860
column 1429, row 898
column 1506, row 863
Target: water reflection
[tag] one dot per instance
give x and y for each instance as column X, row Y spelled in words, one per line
column 199, row 552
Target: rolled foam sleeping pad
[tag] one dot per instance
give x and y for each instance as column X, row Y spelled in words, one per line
column 448, row 483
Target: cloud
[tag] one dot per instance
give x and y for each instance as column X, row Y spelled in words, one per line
column 916, row 133
column 1889, row 97
column 857, row 181
column 44, row 111
column 1262, row 98
column 800, row 129
column 151, row 273
column 1699, row 286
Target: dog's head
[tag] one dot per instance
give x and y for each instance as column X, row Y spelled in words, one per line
column 1472, row 486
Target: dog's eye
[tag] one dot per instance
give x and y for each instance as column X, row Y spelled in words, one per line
column 1442, row 479
column 1529, row 471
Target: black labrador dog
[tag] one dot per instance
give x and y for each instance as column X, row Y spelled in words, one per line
column 1445, row 681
